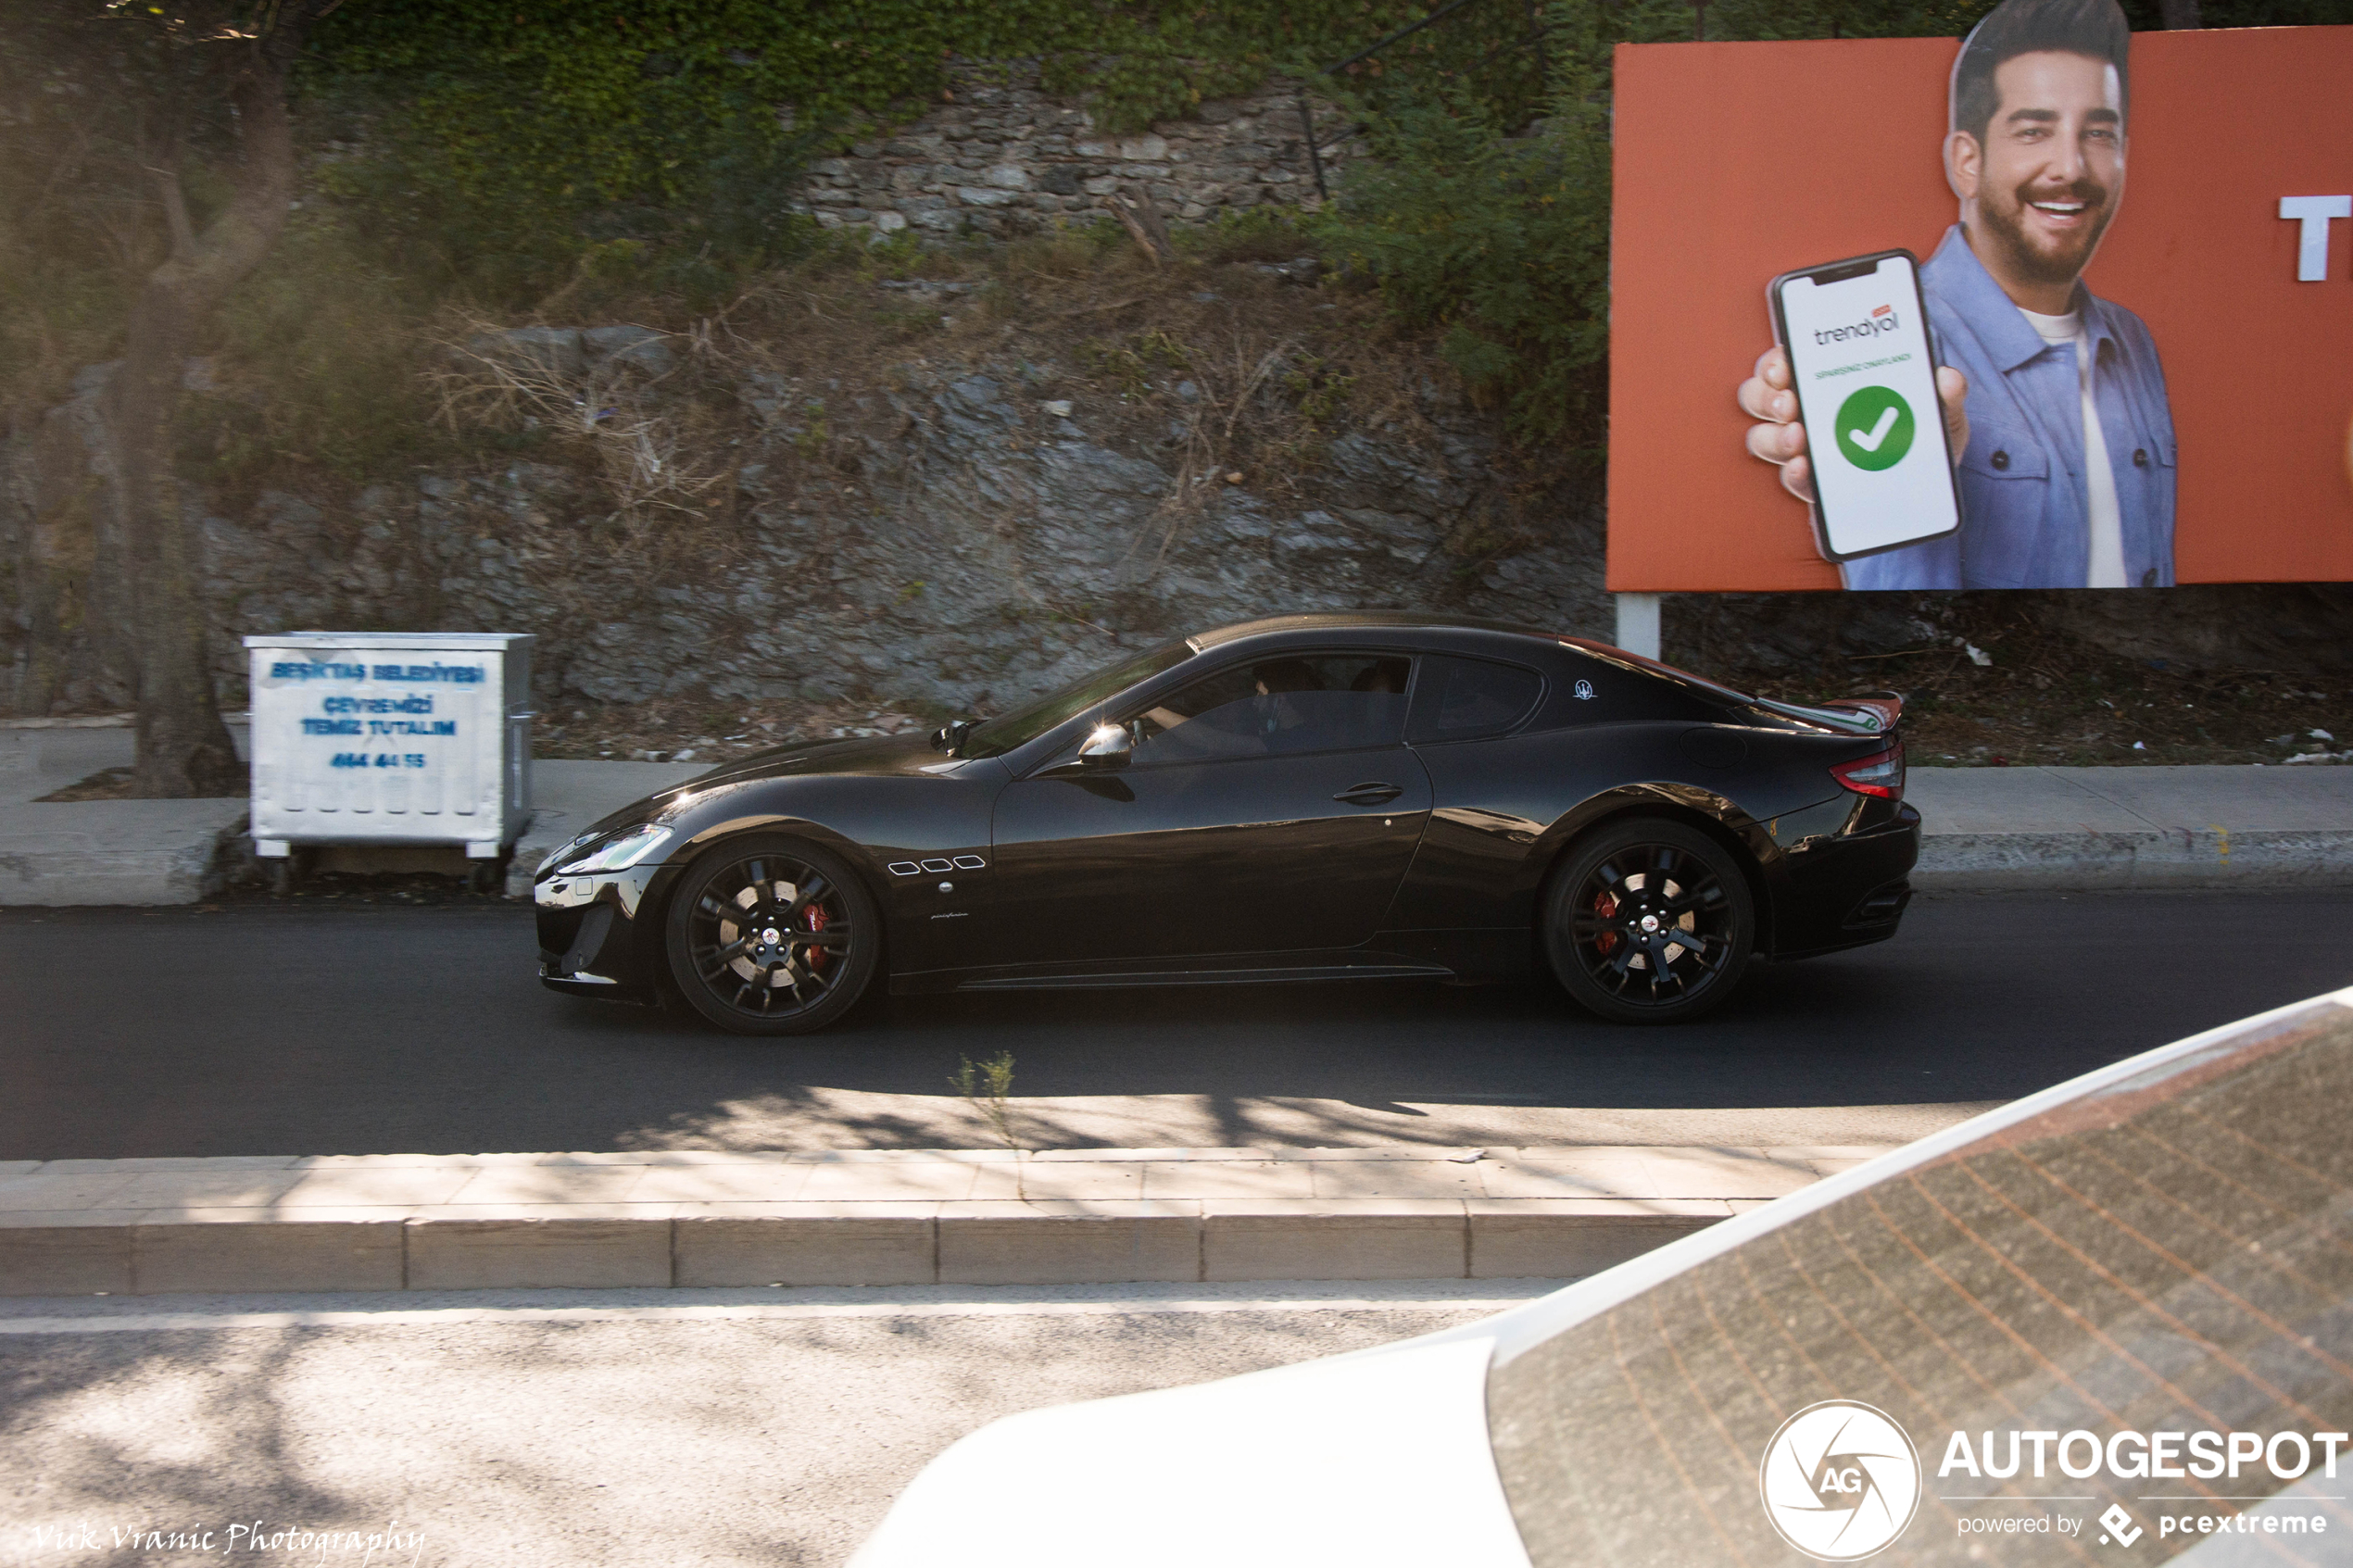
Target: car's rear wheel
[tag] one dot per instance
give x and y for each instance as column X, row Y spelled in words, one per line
column 772, row 936
column 1649, row 921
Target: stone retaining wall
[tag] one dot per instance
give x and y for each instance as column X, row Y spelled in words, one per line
column 1004, row 157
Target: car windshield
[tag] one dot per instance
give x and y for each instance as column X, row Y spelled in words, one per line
column 2157, row 1270
column 1026, row 725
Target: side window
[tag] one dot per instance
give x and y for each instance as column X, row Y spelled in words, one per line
column 1465, row 699
column 1279, row 707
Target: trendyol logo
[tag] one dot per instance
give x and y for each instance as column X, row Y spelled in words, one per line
column 1882, row 319
column 1875, row 428
column 1840, row 1481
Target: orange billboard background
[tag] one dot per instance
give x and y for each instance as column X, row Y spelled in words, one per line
column 1736, row 162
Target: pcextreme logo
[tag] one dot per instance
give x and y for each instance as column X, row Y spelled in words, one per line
column 2120, row 1525
column 1840, row 1481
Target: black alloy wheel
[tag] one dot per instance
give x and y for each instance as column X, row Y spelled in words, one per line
column 1650, row 922
column 772, row 936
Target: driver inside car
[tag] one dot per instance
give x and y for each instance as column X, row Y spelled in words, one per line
column 1280, row 707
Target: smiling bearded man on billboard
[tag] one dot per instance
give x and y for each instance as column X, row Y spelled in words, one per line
column 2053, row 396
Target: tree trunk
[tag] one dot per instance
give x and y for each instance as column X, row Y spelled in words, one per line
column 183, row 748
column 35, row 677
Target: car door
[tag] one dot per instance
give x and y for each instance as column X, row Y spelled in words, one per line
column 1271, row 805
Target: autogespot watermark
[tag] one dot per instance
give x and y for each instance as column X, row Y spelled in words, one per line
column 2224, row 1468
column 1840, row 1481
column 391, row 1546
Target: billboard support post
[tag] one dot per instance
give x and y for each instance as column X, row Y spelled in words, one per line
column 1638, row 623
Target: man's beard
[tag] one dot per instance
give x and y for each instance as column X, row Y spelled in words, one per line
column 2038, row 266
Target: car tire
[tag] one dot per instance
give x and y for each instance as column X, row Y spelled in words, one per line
column 769, row 934
column 1650, row 921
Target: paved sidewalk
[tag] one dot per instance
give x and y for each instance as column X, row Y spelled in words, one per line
column 99, row 851
column 1985, row 829
column 696, row 1218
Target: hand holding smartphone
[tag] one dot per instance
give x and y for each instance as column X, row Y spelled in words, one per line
column 1864, row 370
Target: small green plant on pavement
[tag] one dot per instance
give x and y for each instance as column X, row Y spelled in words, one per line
column 988, row 1088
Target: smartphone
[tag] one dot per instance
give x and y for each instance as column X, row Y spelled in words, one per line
column 1864, row 372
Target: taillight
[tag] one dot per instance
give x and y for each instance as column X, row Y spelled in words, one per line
column 1880, row 774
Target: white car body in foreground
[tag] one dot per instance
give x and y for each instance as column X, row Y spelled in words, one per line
column 1369, row 1460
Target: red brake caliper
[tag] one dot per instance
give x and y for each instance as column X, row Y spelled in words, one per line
column 816, row 957
column 1606, row 906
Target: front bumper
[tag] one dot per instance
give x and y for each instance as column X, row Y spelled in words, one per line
column 599, row 936
column 1847, row 889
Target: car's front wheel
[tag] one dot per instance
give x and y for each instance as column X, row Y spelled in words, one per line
column 772, row 936
column 1649, row 921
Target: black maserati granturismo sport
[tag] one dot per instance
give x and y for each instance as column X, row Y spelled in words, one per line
column 1311, row 798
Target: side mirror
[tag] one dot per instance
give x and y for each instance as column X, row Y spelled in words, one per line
column 1109, row 747
column 951, row 736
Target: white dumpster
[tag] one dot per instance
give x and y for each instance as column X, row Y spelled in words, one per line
column 369, row 738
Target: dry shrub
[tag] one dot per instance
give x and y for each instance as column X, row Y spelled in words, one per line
column 1225, row 373
column 653, row 439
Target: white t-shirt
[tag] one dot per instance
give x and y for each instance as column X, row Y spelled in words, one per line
column 2099, row 479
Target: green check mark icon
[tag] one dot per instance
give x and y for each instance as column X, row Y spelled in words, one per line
column 1875, row 428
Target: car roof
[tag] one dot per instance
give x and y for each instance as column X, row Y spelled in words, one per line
column 1360, row 620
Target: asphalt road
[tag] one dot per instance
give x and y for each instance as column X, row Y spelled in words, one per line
column 552, row 1429
column 348, row 1030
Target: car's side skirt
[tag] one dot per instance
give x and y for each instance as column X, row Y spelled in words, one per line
column 1121, row 981
column 1392, row 955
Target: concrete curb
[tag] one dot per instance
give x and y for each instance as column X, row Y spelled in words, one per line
column 867, row 1217
column 138, row 852
column 2011, row 862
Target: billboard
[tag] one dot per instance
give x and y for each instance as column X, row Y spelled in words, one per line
column 2141, row 382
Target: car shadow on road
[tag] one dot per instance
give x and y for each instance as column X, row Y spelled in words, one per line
column 1238, row 1066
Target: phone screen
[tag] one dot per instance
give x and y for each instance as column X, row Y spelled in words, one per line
column 1865, row 380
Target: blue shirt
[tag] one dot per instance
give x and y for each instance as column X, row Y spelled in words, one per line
column 2025, row 519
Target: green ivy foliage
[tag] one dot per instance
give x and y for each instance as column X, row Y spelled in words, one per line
column 503, row 142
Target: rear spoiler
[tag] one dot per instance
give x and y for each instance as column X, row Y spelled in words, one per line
column 1872, row 715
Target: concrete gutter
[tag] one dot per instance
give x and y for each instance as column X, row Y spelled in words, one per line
column 867, row 1217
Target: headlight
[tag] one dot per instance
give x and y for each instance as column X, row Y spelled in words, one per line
column 617, row 854
column 567, row 848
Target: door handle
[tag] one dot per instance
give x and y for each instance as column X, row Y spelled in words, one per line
column 1374, row 794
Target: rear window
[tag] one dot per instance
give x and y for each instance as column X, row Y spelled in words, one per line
column 1467, row 698
column 2161, row 1268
